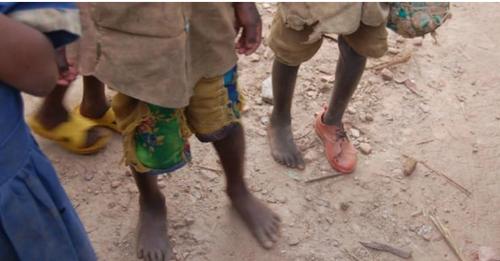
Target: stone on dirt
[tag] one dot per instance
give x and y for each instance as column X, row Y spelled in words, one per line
column 266, row 92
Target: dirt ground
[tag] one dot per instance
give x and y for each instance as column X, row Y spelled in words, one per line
column 451, row 122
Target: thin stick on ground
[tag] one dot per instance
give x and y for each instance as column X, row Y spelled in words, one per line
column 450, row 180
column 447, row 236
column 218, row 171
column 386, row 248
column 402, row 58
column 425, row 142
column 456, row 184
column 324, row 177
column 330, row 38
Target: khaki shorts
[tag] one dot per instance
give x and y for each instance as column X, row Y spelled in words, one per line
column 290, row 48
column 156, row 138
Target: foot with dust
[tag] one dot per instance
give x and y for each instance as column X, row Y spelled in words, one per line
column 262, row 221
column 152, row 239
column 283, row 148
column 280, row 135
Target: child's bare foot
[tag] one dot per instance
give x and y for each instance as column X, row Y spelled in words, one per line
column 283, row 147
column 152, row 239
column 262, row 221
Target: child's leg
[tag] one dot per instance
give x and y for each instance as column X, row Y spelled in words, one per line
column 339, row 151
column 94, row 104
column 280, row 135
column 263, row 223
column 290, row 50
column 350, row 67
column 152, row 239
column 152, row 144
column 52, row 113
column 213, row 115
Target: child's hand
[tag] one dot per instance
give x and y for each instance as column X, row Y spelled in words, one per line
column 248, row 19
column 68, row 76
column 67, row 70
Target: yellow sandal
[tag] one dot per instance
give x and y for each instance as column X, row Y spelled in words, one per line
column 71, row 134
column 108, row 120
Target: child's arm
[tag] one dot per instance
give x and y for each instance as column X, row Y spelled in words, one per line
column 27, row 58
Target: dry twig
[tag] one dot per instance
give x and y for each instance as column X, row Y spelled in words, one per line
column 386, row 248
column 324, row 177
column 450, row 180
column 457, row 185
column 403, row 58
column 218, row 171
column 447, row 236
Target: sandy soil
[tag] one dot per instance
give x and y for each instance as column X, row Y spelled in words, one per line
column 451, row 122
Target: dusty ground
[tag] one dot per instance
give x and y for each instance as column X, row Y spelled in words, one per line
column 452, row 124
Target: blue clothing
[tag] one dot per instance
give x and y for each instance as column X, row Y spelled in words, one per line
column 37, row 220
column 58, row 21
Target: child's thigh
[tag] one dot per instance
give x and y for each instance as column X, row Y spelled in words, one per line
column 215, row 105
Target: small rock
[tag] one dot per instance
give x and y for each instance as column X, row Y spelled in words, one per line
column 281, row 199
column 266, row 5
column 189, row 221
column 210, row 175
column 327, row 79
column 400, row 40
column 133, row 189
column 312, row 94
column 351, row 110
column 425, row 108
column 344, row 206
column 261, row 132
column 355, row 132
column 475, row 148
column 324, row 70
column 115, row 184
column 365, row 148
column 310, row 156
column 386, row 74
column 425, row 231
column 254, row 58
column 409, row 166
column 266, row 92
column 161, row 184
column 196, row 194
column 324, row 89
column 293, row 241
column 264, row 120
column 89, row 176
column 368, row 117
column 393, row 50
column 335, row 243
column 308, row 197
column 418, row 41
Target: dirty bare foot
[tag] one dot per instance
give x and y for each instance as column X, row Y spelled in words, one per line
column 283, row 147
column 262, row 221
column 152, row 239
